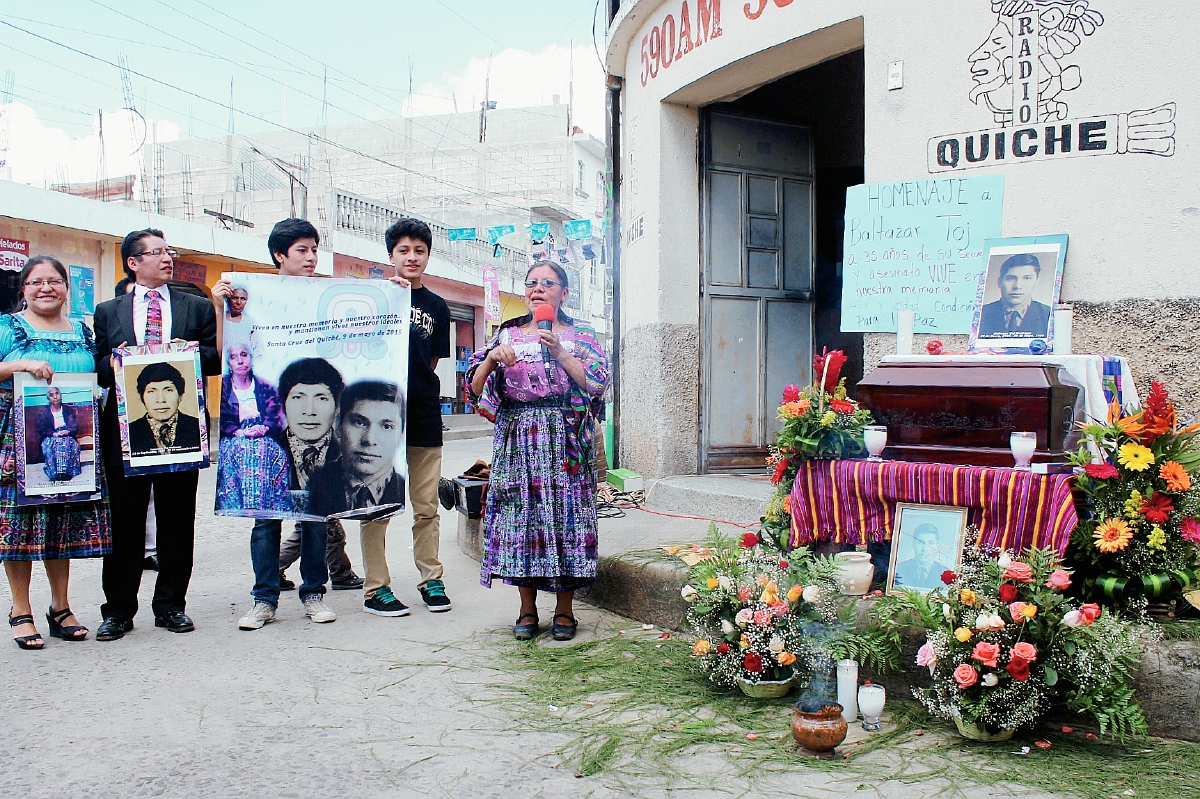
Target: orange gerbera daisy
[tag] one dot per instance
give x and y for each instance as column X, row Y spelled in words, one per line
column 1178, row 480
column 1113, row 535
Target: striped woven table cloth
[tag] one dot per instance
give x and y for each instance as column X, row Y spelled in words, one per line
column 854, row 502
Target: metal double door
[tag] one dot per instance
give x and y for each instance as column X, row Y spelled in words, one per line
column 756, row 282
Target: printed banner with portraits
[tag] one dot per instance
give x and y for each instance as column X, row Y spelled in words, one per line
column 160, row 406
column 54, row 427
column 313, row 399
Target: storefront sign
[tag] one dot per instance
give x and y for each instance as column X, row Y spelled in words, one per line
column 491, row 294
column 196, row 274
column 1023, row 76
column 668, row 41
column 917, row 245
column 13, row 254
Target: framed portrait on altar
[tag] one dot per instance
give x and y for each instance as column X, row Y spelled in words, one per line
column 160, row 408
column 1014, row 306
column 927, row 541
column 54, row 429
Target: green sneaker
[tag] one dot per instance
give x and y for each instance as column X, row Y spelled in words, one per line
column 434, row 594
column 384, row 604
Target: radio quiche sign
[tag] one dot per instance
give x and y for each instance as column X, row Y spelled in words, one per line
column 1023, row 74
column 13, row 254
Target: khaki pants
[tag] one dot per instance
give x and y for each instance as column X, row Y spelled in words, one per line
column 424, row 471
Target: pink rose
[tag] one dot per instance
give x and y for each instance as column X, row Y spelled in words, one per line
column 1016, row 610
column 926, row 657
column 779, row 609
column 762, row 617
column 1090, row 612
column 1059, row 580
column 1073, row 618
column 966, row 676
column 1025, row 651
column 744, row 593
column 986, row 653
column 1018, row 572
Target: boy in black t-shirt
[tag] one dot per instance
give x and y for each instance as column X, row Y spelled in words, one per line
column 409, row 242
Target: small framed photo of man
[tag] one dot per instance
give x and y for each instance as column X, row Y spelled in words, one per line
column 1014, row 307
column 54, row 427
column 160, row 400
column 927, row 541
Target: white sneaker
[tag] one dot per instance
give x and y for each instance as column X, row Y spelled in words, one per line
column 318, row 611
column 260, row 614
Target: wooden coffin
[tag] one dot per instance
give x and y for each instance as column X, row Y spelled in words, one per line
column 963, row 413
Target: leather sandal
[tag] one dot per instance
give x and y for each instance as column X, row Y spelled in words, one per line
column 25, row 641
column 75, row 632
column 563, row 632
column 525, row 632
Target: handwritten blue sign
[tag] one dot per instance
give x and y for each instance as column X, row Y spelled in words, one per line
column 461, row 233
column 917, row 245
column 577, row 229
column 498, row 232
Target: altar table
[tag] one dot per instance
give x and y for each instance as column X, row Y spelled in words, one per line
column 854, row 502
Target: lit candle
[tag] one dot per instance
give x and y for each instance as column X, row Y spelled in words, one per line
column 1023, row 445
column 847, row 682
column 905, row 320
column 1064, row 317
column 870, row 700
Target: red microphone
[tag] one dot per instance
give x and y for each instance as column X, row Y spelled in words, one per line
column 544, row 316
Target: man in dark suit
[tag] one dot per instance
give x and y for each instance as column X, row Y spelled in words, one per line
column 1016, row 312
column 151, row 313
column 370, row 431
column 922, row 570
column 164, row 429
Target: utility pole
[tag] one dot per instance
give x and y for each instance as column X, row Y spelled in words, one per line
column 6, row 98
column 101, row 161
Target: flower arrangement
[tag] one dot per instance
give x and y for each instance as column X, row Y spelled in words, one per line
column 760, row 614
column 1004, row 645
column 819, row 421
column 1141, row 528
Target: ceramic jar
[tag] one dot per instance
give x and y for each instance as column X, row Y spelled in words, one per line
column 820, row 730
column 855, row 572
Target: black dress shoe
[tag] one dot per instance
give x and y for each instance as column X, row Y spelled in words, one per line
column 351, row 583
column 112, row 628
column 176, row 621
column 285, row 584
column 150, row 564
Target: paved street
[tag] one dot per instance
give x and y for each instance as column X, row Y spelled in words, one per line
column 363, row 707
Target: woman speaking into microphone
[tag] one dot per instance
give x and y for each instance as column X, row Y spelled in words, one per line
column 541, row 379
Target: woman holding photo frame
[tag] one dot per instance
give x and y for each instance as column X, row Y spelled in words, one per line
column 39, row 338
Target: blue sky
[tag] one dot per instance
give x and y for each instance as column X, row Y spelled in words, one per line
column 276, row 53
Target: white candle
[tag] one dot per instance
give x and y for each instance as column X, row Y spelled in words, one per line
column 870, row 701
column 1023, row 446
column 875, row 439
column 847, row 681
column 905, row 319
column 1064, row 316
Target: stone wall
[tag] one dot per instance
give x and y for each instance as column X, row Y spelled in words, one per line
column 660, row 375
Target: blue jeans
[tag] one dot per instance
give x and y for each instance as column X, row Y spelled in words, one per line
column 264, row 554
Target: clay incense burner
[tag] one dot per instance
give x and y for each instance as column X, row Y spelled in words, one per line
column 818, row 727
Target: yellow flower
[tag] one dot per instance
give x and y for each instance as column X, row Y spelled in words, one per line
column 712, row 583
column 744, row 643
column 701, row 648
column 828, row 419
column 786, row 658
column 1029, row 611
column 1112, row 535
column 1135, row 457
column 794, row 593
column 1157, row 539
column 1133, row 506
column 967, row 597
column 962, row 634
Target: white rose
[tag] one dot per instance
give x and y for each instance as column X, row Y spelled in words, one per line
column 744, row 616
column 1073, row 618
column 688, row 593
column 995, row 622
column 811, row 594
column 726, row 626
column 1005, row 560
column 983, row 621
column 946, row 611
column 990, row 679
column 725, row 583
column 776, row 645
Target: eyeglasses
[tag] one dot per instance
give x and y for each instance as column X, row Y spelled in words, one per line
column 54, row 282
column 546, row 283
column 157, row 253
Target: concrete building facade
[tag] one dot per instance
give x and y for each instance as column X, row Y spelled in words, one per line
column 774, row 108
